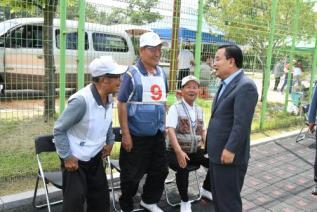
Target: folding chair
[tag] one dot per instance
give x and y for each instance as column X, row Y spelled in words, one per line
column 114, row 165
column 197, row 197
column 302, row 135
column 45, row 144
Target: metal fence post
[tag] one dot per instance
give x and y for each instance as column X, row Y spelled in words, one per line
column 62, row 65
column 268, row 62
column 198, row 38
column 81, row 45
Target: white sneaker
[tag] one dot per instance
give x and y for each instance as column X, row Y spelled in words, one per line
column 206, row 194
column 186, row 206
column 151, row 207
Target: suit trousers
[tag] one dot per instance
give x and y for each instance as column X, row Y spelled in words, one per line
column 226, row 186
column 315, row 165
column 148, row 156
column 87, row 184
column 182, row 174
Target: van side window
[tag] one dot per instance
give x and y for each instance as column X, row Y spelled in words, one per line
column 28, row 36
column 109, row 43
column 71, row 40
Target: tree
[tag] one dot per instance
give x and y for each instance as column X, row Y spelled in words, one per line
column 247, row 22
column 48, row 8
column 137, row 12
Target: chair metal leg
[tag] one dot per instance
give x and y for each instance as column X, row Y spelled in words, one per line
column 48, row 204
column 112, row 186
column 300, row 136
column 173, row 204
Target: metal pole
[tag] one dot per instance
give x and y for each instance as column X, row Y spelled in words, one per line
column 198, row 38
column 290, row 67
column 313, row 70
column 268, row 62
column 174, row 48
column 81, row 46
column 62, row 50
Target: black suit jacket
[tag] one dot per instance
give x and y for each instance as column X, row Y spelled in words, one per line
column 230, row 123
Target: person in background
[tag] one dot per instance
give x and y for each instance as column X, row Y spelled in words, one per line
column 185, row 61
column 278, row 72
column 205, row 76
column 286, row 69
column 141, row 106
column 311, row 127
column 187, row 134
column 83, row 137
column 228, row 133
column 297, row 75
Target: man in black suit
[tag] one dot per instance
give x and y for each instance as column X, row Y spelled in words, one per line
column 228, row 133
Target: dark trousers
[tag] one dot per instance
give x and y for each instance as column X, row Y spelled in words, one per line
column 285, row 83
column 276, row 83
column 87, row 184
column 182, row 173
column 315, row 165
column 226, row 186
column 181, row 74
column 148, row 156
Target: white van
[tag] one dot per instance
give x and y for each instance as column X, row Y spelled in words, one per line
column 22, row 57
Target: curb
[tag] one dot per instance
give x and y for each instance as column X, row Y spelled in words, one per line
column 25, row 198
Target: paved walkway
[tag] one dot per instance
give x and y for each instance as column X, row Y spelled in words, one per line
column 279, row 178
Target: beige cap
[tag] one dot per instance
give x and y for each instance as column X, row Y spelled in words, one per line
column 189, row 78
column 105, row 65
column 151, row 39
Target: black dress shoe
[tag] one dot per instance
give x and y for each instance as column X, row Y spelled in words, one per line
column 314, row 191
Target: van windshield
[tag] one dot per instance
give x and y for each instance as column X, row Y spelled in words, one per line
column 6, row 25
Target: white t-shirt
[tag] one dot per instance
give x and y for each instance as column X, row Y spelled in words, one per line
column 297, row 71
column 172, row 115
column 184, row 58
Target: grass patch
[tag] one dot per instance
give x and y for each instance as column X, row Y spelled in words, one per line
column 17, row 156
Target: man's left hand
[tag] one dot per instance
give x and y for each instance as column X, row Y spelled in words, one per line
column 227, row 157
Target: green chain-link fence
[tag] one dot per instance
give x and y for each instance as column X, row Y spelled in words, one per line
column 46, row 47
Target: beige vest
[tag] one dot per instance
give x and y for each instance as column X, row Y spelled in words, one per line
column 188, row 132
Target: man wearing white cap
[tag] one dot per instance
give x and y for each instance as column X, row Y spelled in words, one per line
column 141, row 105
column 187, row 135
column 83, row 137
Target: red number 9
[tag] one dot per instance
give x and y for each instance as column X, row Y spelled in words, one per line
column 156, row 92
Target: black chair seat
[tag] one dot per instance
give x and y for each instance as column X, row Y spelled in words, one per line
column 56, row 178
column 191, row 167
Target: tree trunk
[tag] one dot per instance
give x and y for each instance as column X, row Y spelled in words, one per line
column 49, row 78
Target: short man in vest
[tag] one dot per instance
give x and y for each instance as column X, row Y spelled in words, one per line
column 187, row 134
column 83, row 137
column 141, row 105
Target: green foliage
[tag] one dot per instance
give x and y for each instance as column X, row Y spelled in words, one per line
column 138, row 12
column 247, row 21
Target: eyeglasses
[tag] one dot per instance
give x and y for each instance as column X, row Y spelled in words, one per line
column 154, row 48
column 114, row 76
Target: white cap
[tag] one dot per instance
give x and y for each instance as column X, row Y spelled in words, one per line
column 105, row 65
column 151, row 39
column 189, row 78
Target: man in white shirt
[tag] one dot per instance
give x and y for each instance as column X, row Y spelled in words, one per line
column 185, row 61
column 186, row 132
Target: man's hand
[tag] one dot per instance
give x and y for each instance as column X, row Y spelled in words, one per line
column 182, row 158
column 71, row 163
column 311, row 127
column 227, row 157
column 126, row 142
column 106, row 150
